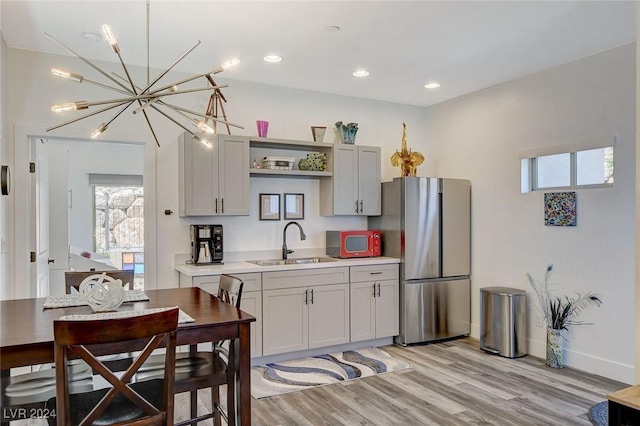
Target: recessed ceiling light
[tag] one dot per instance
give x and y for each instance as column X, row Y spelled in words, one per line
column 92, row 37
column 432, row 85
column 273, row 58
column 361, row 73
column 332, row 28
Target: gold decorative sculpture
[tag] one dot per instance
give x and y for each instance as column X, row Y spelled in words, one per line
column 407, row 160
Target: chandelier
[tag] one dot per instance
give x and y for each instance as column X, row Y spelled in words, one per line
column 156, row 98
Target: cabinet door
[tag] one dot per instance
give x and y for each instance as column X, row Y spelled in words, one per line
column 208, row 283
column 369, row 177
column 285, row 325
column 198, row 177
column 251, row 303
column 328, row 315
column 363, row 311
column 345, row 180
column 387, row 308
column 233, row 175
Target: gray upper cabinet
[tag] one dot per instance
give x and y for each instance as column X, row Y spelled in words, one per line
column 355, row 187
column 214, row 181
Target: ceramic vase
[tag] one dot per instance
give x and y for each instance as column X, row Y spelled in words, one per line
column 554, row 348
column 347, row 132
column 318, row 133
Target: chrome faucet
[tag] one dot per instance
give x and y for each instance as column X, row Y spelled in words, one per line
column 285, row 252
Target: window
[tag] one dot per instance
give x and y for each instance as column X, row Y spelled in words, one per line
column 119, row 222
column 577, row 169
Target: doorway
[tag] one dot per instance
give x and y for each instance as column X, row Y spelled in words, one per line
column 69, row 210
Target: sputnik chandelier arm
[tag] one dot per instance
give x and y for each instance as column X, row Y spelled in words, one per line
column 81, row 79
column 205, row 116
column 85, row 116
column 144, row 97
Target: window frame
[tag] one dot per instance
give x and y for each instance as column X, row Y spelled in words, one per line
column 532, row 172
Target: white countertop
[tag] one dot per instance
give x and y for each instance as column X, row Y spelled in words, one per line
column 238, row 267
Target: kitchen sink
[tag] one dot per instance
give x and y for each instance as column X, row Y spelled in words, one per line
column 298, row 261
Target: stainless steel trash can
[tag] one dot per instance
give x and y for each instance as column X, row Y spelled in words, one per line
column 503, row 321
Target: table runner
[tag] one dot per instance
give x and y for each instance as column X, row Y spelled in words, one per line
column 73, row 299
column 183, row 317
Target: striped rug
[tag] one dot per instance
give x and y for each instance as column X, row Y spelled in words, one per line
column 289, row 376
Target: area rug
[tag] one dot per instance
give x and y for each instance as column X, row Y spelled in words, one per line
column 305, row 373
column 599, row 414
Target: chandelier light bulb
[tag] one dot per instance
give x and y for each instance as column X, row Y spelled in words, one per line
column 100, row 130
column 66, row 74
column 111, row 38
column 204, row 127
column 205, row 142
column 225, row 66
column 70, row 106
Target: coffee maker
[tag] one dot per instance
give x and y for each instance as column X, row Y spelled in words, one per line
column 206, row 244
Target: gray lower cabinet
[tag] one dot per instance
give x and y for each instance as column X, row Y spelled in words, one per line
column 251, row 301
column 304, row 309
column 374, row 302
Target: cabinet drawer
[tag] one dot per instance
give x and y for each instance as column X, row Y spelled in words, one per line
column 374, row 272
column 252, row 282
column 304, row 278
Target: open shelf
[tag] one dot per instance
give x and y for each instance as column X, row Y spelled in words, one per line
column 289, row 173
column 271, row 143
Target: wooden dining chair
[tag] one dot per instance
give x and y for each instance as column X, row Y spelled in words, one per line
column 145, row 403
column 72, row 280
column 197, row 370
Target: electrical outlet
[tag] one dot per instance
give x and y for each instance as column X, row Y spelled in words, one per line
column 538, row 319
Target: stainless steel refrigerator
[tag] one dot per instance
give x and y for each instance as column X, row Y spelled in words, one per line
column 426, row 222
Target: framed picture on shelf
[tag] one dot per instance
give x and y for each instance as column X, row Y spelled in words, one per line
column 293, row 206
column 269, row 206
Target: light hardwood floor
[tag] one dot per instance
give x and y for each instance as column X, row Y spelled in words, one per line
column 450, row 383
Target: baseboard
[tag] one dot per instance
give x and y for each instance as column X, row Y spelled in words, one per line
column 578, row 360
column 587, row 363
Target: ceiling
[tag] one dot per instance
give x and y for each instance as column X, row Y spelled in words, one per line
column 464, row 45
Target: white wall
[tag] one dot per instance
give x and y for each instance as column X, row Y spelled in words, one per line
column 481, row 137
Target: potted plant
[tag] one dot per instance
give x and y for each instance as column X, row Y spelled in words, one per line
column 559, row 313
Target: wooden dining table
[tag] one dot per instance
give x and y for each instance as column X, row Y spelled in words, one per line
column 26, row 331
